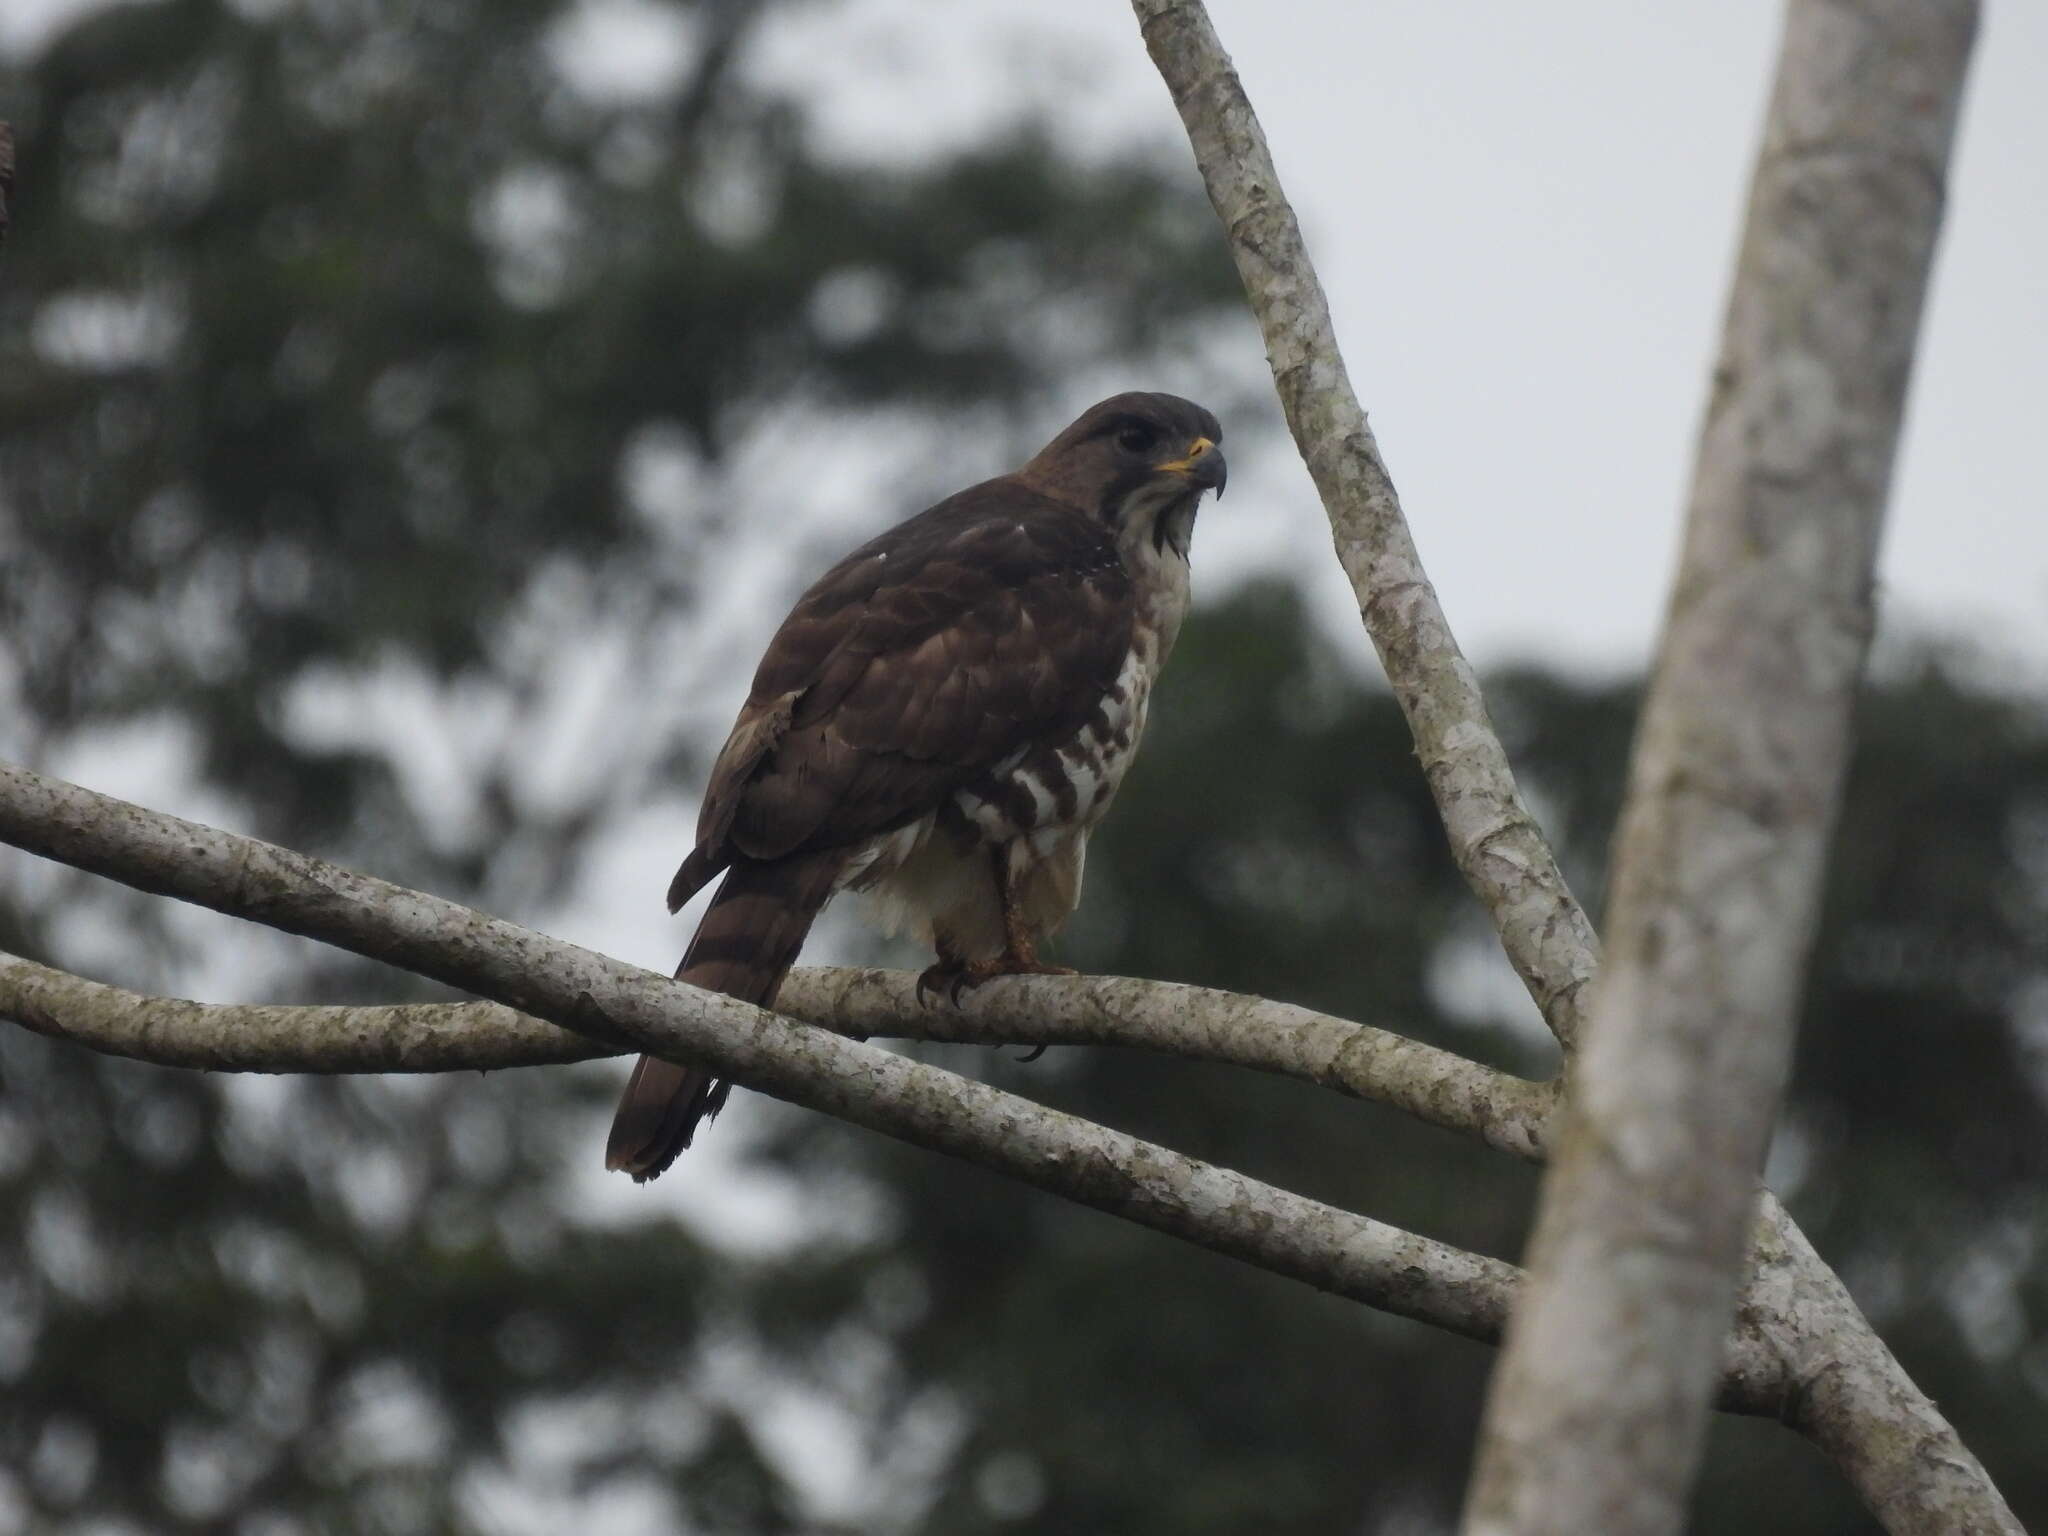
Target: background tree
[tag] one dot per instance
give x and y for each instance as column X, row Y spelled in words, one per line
column 358, row 352
column 384, row 1305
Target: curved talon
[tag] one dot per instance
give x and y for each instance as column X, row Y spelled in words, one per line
column 1031, row 1055
column 940, row 977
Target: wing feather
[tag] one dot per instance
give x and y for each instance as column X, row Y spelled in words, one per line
column 995, row 620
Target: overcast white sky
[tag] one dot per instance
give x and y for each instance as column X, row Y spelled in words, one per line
column 1525, row 216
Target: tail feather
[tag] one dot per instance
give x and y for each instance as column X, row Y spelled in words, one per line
column 745, row 945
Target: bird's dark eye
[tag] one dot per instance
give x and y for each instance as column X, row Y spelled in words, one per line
column 1136, row 438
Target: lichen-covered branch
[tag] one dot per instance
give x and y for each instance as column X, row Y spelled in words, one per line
column 1854, row 1401
column 1434, row 1085
column 1846, row 1394
column 628, row 1008
column 282, row 1037
column 1497, row 844
column 605, row 1005
column 1598, row 1412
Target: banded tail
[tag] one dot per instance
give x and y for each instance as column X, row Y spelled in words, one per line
column 745, row 945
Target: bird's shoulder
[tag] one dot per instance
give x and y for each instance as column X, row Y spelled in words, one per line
column 987, row 623
column 998, row 545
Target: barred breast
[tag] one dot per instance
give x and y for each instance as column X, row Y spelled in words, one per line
column 931, row 879
column 1041, row 796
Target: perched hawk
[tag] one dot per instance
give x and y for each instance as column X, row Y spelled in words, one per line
column 940, row 723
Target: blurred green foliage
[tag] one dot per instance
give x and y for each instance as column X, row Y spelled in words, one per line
column 327, row 335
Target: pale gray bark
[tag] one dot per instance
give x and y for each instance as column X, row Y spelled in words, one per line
column 1597, row 1416
column 1497, row 844
column 283, row 1037
column 1845, row 1393
column 1781, row 1362
column 603, row 1005
column 1851, row 1397
column 1436, row 1086
column 628, row 1008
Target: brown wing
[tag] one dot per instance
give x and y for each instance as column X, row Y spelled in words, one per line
column 995, row 620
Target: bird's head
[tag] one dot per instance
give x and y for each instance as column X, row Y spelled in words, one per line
column 1139, row 462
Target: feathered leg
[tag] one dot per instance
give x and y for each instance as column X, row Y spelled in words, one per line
column 953, row 974
column 745, row 945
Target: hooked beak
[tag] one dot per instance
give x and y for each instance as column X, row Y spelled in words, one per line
column 1203, row 466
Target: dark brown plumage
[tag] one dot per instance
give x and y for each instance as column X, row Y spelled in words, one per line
column 940, row 722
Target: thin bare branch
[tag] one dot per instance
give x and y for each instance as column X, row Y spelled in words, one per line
column 1436, row 1086
column 1597, row 1418
column 628, row 1008
column 282, row 1037
column 1497, row 844
column 437, row 1037
column 623, row 1008
column 1853, row 1398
